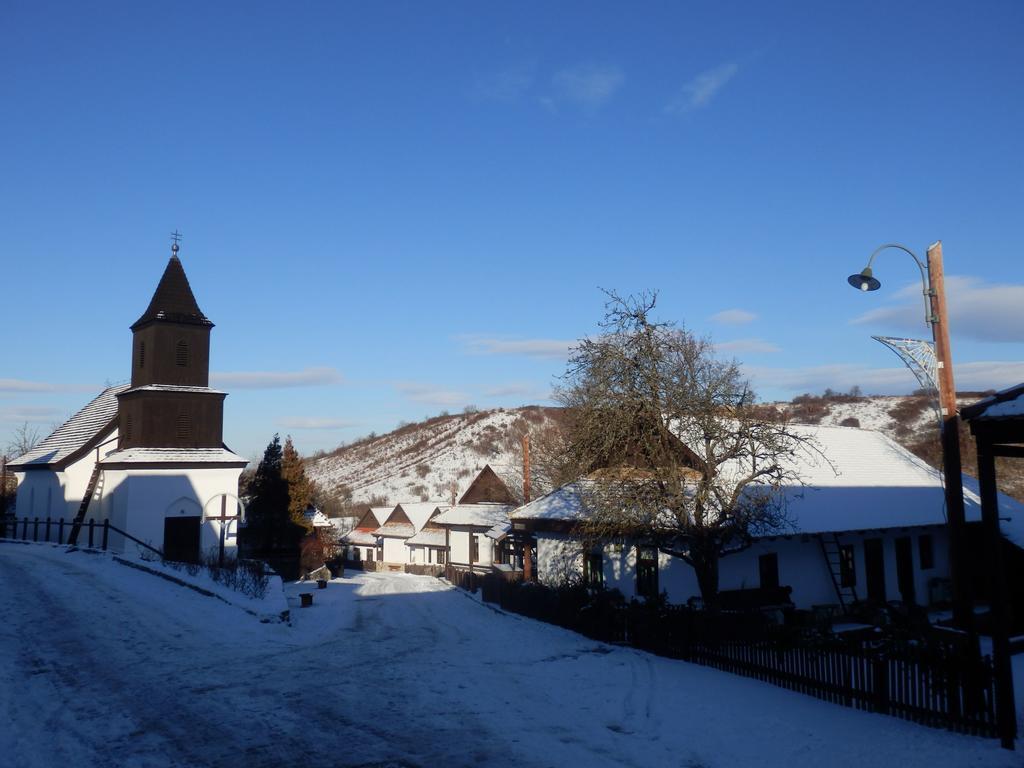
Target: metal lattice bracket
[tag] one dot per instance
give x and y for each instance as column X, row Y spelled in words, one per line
column 919, row 356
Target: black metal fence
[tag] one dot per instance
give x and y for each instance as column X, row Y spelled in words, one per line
column 928, row 676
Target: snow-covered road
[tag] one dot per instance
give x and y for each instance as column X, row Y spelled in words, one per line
column 101, row 665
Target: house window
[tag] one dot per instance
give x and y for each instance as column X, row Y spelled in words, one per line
column 768, row 567
column 184, row 426
column 142, row 354
column 440, row 556
column 474, row 548
column 925, row 551
column 647, row 572
column 357, row 555
column 847, row 566
column 593, row 568
column 181, row 354
column 369, row 555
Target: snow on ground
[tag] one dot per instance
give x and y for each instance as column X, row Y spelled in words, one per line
column 106, row 666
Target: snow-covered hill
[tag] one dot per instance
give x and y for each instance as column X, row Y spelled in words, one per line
column 427, row 460
column 431, row 459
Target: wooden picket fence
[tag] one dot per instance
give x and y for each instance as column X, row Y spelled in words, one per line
column 934, row 678
column 49, row 530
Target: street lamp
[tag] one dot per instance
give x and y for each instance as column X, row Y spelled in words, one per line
column 933, row 289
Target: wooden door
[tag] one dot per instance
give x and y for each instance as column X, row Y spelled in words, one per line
column 181, row 539
column 874, row 564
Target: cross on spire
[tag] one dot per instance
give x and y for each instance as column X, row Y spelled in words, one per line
column 175, row 239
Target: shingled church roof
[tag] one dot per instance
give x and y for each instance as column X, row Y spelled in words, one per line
column 173, row 300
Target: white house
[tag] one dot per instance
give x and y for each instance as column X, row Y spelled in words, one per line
column 149, row 456
column 361, row 543
column 466, row 527
column 869, row 524
column 405, row 521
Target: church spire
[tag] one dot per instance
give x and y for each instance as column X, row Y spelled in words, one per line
column 173, row 300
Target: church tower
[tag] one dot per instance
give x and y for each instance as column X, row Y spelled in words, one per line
column 169, row 403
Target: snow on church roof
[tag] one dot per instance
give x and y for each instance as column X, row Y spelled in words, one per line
column 76, row 433
column 173, row 456
column 864, row 481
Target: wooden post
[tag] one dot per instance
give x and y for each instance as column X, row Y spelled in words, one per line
column 223, row 522
column 60, row 531
column 35, row 530
column 526, row 468
column 47, row 529
column 106, row 533
column 1006, row 718
column 963, row 613
column 92, row 525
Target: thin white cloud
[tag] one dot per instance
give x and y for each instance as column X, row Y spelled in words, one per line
column 542, row 348
column 311, row 422
column 978, row 376
column 741, row 346
column 977, row 309
column 505, row 85
column 308, row 377
column 588, row 85
column 699, row 91
column 733, row 317
column 32, row 414
column 429, row 394
column 11, row 386
column 529, row 391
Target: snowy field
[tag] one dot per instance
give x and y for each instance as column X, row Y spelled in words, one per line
column 101, row 665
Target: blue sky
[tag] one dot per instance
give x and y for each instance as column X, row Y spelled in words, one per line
column 390, row 209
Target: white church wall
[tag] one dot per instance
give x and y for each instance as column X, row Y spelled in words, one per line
column 44, row 493
column 138, row 500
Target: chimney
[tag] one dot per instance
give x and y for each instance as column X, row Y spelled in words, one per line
column 526, row 468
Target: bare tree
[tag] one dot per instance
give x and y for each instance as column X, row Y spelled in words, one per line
column 671, row 443
column 24, row 438
column 550, row 461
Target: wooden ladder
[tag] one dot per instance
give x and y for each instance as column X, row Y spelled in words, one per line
column 832, row 551
column 90, row 489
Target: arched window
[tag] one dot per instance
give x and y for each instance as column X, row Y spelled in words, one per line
column 181, row 354
column 142, row 354
column 184, row 426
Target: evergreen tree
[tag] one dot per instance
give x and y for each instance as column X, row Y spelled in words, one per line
column 267, row 522
column 300, row 489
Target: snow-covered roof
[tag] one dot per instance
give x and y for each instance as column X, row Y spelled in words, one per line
column 396, row 530
column 317, row 518
column 360, row 537
column 74, row 434
column 499, row 531
column 864, row 481
column 420, row 512
column 565, row 503
column 1006, row 404
column 484, row 515
column 428, row 537
column 173, row 456
column 173, row 388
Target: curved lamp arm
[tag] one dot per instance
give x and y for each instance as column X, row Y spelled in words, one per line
column 926, row 289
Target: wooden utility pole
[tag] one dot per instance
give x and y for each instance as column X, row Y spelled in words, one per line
column 950, row 437
column 526, row 468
